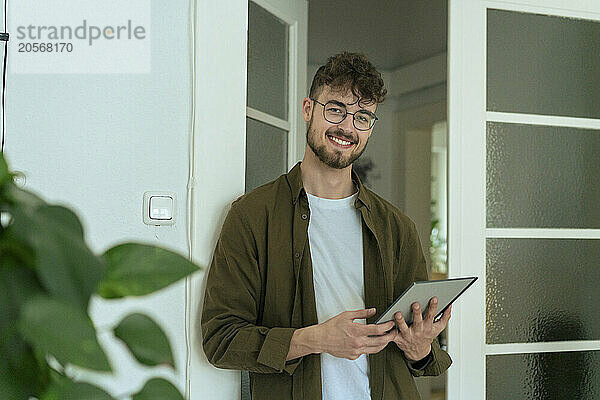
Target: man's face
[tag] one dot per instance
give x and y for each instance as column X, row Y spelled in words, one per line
column 321, row 135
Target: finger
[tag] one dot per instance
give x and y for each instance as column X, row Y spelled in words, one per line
column 440, row 325
column 417, row 316
column 359, row 314
column 377, row 343
column 432, row 309
column 446, row 315
column 401, row 324
column 373, row 349
column 377, row 329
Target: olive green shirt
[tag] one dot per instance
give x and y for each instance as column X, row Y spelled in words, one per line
column 260, row 289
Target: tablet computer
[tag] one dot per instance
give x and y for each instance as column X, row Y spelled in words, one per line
column 446, row 290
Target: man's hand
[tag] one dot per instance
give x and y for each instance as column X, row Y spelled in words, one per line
column 341, row 337
column 344, row 338
column 416, row 340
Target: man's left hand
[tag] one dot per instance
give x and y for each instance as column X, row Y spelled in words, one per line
column 416, row 340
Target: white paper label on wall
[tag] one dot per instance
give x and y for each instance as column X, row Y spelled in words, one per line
column 79, row 37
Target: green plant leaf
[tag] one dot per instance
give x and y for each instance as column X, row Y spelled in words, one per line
column 15, row 250
column 134, row 269
column 158, row 388
column 66, row 266
column 145, row 339
column 67, row 219
column 67, row 389
column 20, row 372
column 84, row 391
column 22, row 198
column 9, row 389
column 17, row 285
column 5, row 175
column 62, row 329
column 21, row 376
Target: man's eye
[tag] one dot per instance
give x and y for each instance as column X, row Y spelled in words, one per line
column 334, row 110
column 362, row 118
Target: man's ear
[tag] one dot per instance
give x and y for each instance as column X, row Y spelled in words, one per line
column 307, row 105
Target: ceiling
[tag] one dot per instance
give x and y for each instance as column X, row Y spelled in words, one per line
column 392, row 33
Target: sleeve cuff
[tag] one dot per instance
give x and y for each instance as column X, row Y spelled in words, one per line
column 439, row 362
column 413, row 366
column 423, row 363
column 291, row 365
column 275, row 349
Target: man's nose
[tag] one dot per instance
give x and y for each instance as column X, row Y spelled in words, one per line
column 347, row 124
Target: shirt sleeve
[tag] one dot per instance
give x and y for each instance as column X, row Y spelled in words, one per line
column 439, row 362
column 230, row 337
column 414, row 259
column 421, row 364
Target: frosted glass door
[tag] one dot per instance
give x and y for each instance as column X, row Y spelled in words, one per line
column 275, row 87
column 542, row 176
column 524, row 198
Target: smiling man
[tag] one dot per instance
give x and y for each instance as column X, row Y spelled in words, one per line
column 306, row 263
column 348, row 145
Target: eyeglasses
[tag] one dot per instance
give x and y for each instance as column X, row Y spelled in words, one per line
column 335, row 112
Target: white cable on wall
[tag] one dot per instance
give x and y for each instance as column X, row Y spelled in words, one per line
column 190, row 203
column 3, row 91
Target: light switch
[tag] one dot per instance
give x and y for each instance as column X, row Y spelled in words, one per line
column 159, row 208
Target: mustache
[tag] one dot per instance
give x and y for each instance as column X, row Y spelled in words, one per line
column 339, row 133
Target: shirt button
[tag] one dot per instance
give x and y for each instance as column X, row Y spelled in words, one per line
column 297, row 255
column 304, row 216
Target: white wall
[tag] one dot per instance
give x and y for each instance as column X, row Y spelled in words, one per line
column 417, row 179
column 382, row 149
column 96, row 143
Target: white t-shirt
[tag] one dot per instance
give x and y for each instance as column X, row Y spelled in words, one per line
column 335, row 238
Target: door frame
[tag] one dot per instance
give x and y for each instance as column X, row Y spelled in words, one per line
column 219, row 153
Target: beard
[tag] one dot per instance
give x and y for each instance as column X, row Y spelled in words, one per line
column 332, row 158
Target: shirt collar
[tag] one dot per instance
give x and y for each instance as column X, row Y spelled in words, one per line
column 294, row 178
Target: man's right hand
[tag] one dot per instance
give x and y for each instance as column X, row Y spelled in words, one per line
column 341, row 337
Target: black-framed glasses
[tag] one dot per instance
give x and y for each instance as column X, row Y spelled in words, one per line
column 335, row 112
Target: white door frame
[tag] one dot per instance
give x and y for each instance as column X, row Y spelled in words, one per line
column 467, row 118
column 219, row 165
column 220, row 150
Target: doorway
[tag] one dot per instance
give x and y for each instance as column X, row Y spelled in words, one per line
column 405, row 159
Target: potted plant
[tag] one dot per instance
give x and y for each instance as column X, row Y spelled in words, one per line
column 47, row 276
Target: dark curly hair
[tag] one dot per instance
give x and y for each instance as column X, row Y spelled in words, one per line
column 351, row 71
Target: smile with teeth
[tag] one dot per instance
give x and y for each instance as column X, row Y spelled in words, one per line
column 339, row 141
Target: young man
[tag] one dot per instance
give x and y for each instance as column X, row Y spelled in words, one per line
column 304, row 260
